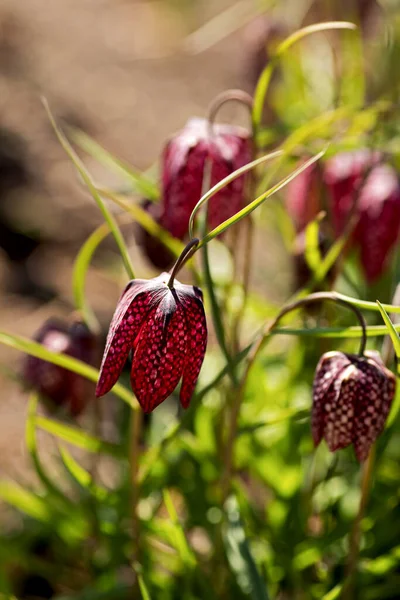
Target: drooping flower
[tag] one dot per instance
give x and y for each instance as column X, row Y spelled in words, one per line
column 167, row 332
column 183, row 162
column 352, row 396
column 58, row 386
column 378, row 206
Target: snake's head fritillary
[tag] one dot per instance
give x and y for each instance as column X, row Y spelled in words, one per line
column 352, row 396
column 167, row 332
column 60, row 387
column 184, row 156
column 362, row 174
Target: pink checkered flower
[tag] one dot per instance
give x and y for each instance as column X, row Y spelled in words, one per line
column 184, row 157
column 352, row 396
column 167, row 332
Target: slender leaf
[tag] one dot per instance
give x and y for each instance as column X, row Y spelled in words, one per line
column 57, row 358
column 79, row 438
column 239, row 555
column 394, row 336
column 258, row 201
column 265, row 77
column 143, row 588
column 25, row 501
column 108, row 217
column 140, row 183
column 80, row 475
column 179, row 539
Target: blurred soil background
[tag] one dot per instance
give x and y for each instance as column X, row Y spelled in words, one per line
column 128, row 73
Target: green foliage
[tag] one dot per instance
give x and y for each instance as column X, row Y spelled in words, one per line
column 229, row 500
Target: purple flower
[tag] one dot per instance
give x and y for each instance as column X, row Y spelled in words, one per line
column 228, row 147
column 352, row 396
column 167, row 332
column 58, row 386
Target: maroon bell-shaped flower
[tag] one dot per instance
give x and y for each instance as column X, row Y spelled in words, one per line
column 352, row 396
column 60, row 387
column 165, row 327
column 377, row 186
column 228, row 147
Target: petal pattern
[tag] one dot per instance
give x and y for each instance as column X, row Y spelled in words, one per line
column 132, row 308
column 196, row 347
column 340, row 409
column 373, row 405
column 328, row 369
column 160, row 354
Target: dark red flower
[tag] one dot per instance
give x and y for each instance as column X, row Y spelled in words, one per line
column 166, row 330
column 60, row 387
column 378, row 208
column 352, row 396
column 183, row 161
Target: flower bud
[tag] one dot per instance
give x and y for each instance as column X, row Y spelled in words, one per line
column 352, row 396
column 183, row 161
column 58, row 386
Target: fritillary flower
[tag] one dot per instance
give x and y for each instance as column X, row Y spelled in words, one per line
column 165, row 327
column 352, row 396
column 228, row 147
column 60, row 387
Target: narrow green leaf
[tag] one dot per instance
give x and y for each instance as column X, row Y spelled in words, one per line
column 145, row 220
column 265, row 77
column 353, row 332
column 239, row 555
column 258, row 201
column 140, row 183
column 81, row 266
column 179, row 538
column 25, row 501
column 80, row 475
column 143, row 588
column 79, row 438
column 72, row 364
column 108, row 217
column 312, row 251
column 224, row 182
column 394, row 336
column 31, row 444
column 334, row 594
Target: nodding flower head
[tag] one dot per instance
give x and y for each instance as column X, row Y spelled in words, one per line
column 58, row 386
column 352, row 396
column 361, row 174
column 166, row 330
column 184, row 157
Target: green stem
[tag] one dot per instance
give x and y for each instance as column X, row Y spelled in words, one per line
column 355, row 536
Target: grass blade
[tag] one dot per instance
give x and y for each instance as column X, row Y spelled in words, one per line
column 108, row 217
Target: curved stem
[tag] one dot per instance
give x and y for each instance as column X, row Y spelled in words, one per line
column 233, row 95
column 187, row 252
column 258, row 345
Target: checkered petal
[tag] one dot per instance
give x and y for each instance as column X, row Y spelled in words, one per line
column 160, row 354
column 340, row 410
column 196, row 346
column 373, row 404
column 132, row 309
column 324, row 392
